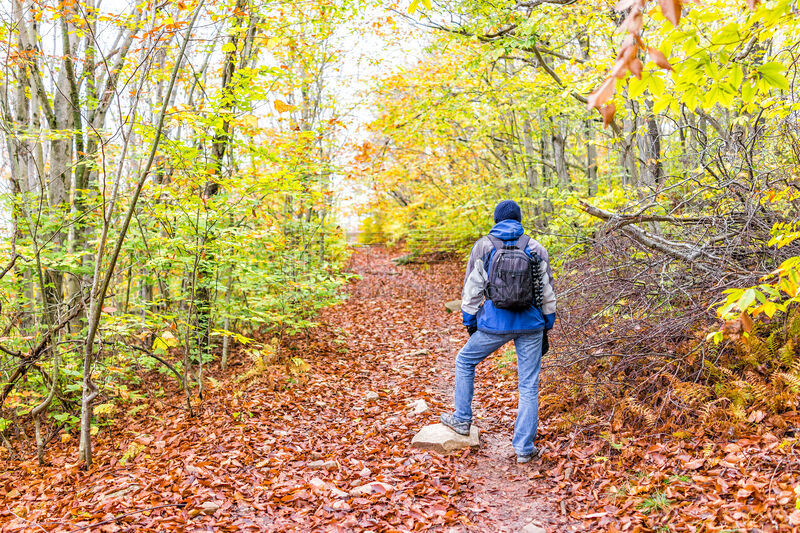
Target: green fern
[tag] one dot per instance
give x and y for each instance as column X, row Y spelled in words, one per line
column 786, row 353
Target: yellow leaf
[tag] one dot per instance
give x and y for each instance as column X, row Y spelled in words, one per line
column 283, row 107
column 250, row 120
column 165, row 341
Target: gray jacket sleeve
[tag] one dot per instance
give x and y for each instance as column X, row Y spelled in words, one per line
column 476, row 278
column 549, row 296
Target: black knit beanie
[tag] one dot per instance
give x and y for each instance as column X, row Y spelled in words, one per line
column 507, row 209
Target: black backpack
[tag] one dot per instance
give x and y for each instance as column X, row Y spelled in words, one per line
column 515, row 280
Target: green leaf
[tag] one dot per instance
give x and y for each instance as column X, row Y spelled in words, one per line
column 772, row 73
column 636, row 87
column 656, row 85
column 747, row 299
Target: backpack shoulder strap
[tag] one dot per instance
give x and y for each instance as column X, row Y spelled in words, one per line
column 521, row 243
column 497, row 243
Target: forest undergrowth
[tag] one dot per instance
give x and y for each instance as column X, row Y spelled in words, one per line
column 293, row 443
column 285, row 443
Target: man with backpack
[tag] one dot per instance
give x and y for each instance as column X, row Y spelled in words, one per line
column 508, row 295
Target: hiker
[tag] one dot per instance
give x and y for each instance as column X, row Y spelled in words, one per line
column 514, row 301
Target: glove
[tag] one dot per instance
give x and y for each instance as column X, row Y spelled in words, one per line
column 471, row 330
column 545, row 343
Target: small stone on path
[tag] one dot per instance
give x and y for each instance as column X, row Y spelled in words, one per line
column 338, row 493
column 317, row 484
column 532, row 528
column 376, row 487
column 209, row 508
column 442, row 439
column 371, row 396
column 418, row 407
column 340, row 505
column 453, row 306
column 327, row 465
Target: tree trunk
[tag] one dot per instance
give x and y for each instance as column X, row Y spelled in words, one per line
column 650, row 148
column 530, row 156
column 558, row 141
column 591, row 160
column 628, row 156
column 207, row 267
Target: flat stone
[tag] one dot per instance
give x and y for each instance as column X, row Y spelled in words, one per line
column 340, row 505
column 338, row 493
column 120, row 492
column 453, row 306
column 418, row 407
column 532, row 528
column 371, row 396
column 375, row 487
column 317, row 484
column 442, row 439
column 326, row 465
column 209, row 508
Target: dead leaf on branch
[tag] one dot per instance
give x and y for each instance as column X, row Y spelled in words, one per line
column 603, row 94
column 636, row 67
column 671, row 9
column 634, row 20
column 608, row 111
column 659, row 58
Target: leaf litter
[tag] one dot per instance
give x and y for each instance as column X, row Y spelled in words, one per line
column 313, row 451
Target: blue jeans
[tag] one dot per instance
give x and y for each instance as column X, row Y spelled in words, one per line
column 529, row 358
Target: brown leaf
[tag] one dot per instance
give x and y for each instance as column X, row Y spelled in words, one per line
column 620, row 68
column 603, row 93
column 628, row 48
column 747, row 322
column 622, row 5
column 694, row 465
column 659, row 58
column 671, row 9
column 633, row 22
column 608, row 111
column 636, row 67
column 626, row 54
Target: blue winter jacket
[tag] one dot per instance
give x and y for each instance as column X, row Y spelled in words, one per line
column 477, row 311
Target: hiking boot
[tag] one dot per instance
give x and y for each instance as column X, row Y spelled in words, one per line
column 522, row 459
column 462, row 428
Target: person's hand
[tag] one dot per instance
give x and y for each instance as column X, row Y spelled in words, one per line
column 471, row 330
column 545, row 343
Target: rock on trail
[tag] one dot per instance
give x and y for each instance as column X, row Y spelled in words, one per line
column 442, row 439
column 418, row 407
column 453, row 306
